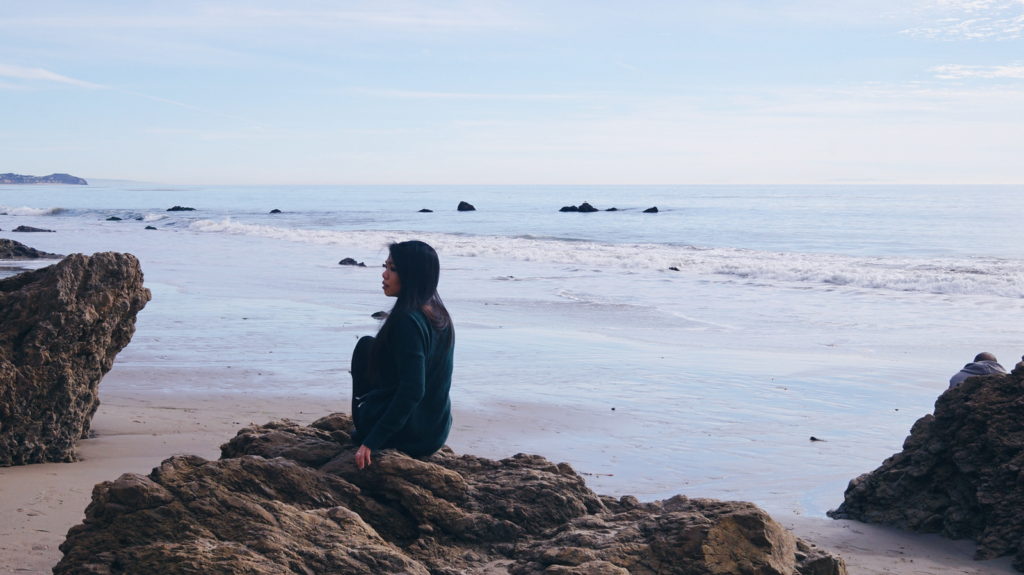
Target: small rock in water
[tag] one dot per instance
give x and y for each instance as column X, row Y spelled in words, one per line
column 180, row 209
column 466, row 207
column 351, row 262
column 379, row 315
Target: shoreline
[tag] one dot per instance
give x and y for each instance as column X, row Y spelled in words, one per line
column 134, row 432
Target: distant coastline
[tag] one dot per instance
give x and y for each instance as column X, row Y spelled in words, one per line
column 51, row 179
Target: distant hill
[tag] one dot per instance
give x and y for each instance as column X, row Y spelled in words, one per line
column 51, row 179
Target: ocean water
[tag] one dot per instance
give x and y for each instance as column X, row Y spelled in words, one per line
column 694, row 351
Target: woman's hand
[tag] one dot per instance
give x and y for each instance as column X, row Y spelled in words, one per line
column 363, row 458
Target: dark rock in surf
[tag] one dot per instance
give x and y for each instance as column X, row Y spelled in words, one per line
column 426, row 211
column 379, row 315
column 351, row 262
column 586, row 208
column 30, row 229
column 284, row 498
column 60, row 328
column 651, row 210
column 12, row 250
column 113, row 219
column 466, row 207
column 180, row 209
column 612, row 210
column 275, row 211
column 959, row 473
column 569, row 209
column 150, row 228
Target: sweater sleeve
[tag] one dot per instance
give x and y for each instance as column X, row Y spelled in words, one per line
column 409, row 345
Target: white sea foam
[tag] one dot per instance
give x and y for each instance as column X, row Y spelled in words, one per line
column 27, row 211
column 953, row 276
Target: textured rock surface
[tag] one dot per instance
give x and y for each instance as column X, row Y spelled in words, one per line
column 961, row 471
column 12, row 250
column 285, row 498
column 60, row 328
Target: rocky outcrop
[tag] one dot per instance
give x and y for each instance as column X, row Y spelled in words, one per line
column 60, row 328
column 585, row 208
column 285, row 498
column 51, row 179
column 465, row 207
column 12, row 250
column 960, row 473
column 30, row 229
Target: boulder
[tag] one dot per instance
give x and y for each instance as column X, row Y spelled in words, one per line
column 351, row 262
column 180, row 209
column 60, row 328
column 12, row 250
column 569, row 209
column 466, row 207
column 29, row 229
column 960, row 471
column 285, row 498
column 651, row 210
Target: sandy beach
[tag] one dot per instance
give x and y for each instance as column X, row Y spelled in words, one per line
column 134, row 433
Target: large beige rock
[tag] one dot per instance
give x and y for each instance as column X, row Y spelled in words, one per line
column 60, row 328
column 961, row 471
column 285, row 498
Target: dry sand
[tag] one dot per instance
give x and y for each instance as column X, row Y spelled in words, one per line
column 134, row 433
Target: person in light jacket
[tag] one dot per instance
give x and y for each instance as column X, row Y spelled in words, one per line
column 984, row 364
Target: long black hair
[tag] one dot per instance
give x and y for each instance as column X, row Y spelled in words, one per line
column 418, row 271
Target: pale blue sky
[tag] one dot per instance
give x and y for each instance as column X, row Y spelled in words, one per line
column 517, row 92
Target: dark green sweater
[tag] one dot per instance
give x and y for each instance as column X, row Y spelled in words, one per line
column 410, row 410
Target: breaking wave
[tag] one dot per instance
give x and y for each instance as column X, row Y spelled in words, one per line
column 952, row 276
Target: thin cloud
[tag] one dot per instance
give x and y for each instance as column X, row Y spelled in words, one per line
column 220, row 17
column 428, row 95
column 43, row 75
column 960, row 72
column 972, row 20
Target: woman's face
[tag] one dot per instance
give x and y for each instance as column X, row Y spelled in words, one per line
column 392, row 284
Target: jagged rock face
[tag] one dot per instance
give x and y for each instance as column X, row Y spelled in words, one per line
column 960, row 471
column 60, row 328
column 285, row 498
column 12, row 250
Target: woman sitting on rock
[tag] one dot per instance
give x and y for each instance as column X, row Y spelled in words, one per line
column 401, row 378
